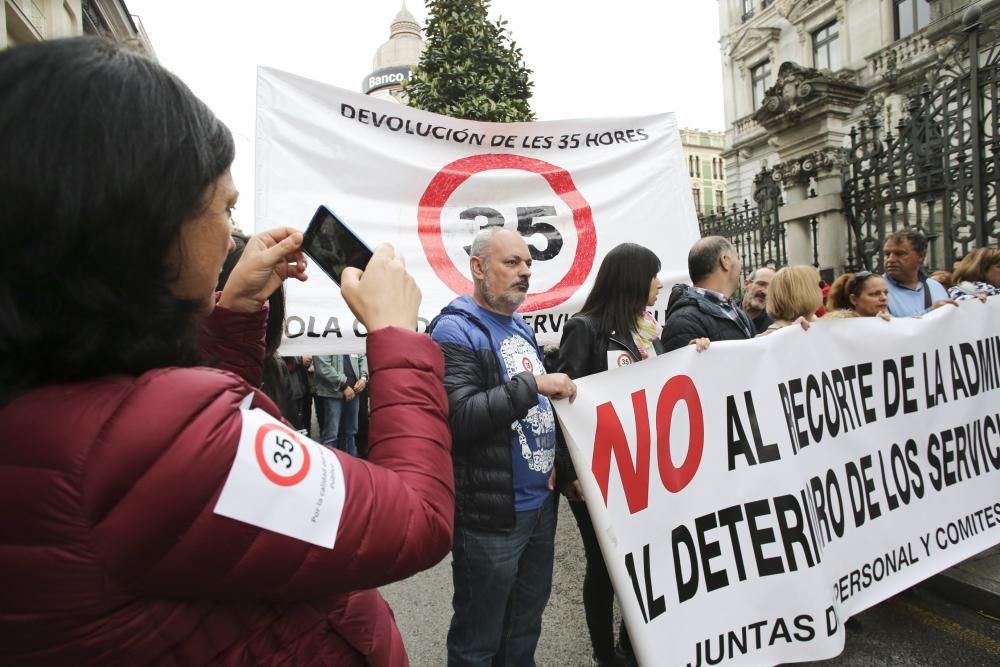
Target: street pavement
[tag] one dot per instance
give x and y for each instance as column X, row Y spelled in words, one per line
column 422, row 605
column 917, row 628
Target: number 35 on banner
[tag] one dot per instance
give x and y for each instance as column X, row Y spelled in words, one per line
column 283, row 481
column 558, row 188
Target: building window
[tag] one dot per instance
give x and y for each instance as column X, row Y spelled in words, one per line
column 760, row 77
column 696, row 193
column 691, row 166
column 910, row 16
column 747, row 10
column 720, row 201
column 826, row 47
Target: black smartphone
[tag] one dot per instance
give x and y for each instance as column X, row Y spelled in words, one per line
column 333, row 246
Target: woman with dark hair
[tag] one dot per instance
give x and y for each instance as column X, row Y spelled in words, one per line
column 864, row 293
column 614, row 329
column 152, row 516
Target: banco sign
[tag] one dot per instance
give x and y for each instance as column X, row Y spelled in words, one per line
column 385, row 77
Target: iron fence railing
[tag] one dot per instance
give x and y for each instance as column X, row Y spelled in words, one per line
column 756, row 231
column 939, row 171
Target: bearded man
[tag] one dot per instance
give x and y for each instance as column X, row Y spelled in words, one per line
column 503, row 452
column 755, row 298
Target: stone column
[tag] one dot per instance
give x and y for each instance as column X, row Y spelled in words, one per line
column 813, row 194
column 805, row 113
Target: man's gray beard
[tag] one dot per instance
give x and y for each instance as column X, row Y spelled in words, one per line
column 502, row 302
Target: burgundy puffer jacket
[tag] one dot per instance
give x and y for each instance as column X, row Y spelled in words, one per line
column 111, row 554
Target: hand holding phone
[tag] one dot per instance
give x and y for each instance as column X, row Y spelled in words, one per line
column 333, row 246
column 385, row 295
column 269, row 258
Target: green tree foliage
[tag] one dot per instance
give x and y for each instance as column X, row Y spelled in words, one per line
column 470, row 68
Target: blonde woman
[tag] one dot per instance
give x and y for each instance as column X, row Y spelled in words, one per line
column 794, row 296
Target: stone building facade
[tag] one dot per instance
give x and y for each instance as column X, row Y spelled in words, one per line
column 26, row 21
column 706, row 169
column 798, row 75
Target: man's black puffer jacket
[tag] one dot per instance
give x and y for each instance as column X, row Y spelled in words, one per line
column 481, row 408
column 691, row 315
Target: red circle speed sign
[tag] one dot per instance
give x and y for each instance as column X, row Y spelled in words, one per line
column 452, row 175
column 280, row 454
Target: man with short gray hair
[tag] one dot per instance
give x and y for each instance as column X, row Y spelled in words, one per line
column 503, row 451
column 755, row 298
column 706, row 309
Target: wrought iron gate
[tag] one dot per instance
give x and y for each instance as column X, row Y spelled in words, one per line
column 939, row 172
column 757, row 233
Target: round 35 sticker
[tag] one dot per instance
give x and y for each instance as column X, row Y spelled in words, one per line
column 456, row 202
column 623, row 359
column 282, row 457
column 527, row 365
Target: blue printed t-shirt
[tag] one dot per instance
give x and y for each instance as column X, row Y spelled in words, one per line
column 533, row 438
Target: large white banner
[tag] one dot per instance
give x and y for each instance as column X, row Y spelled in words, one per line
column 427, row 183
column 750, row 499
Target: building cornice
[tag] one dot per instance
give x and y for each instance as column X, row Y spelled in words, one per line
column 753, row 40
column 796, row 11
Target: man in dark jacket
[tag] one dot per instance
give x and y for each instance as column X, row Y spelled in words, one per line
column 504, row 436
column 706, row 310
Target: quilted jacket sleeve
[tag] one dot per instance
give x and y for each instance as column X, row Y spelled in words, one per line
column 477, row 407
column 235, row 342
column 680, row 329
column 155, row 475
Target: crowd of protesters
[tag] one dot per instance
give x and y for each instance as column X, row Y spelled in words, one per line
column 163, row 333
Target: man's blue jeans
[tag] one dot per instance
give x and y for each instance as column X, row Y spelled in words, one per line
column 502, row 584
column 339, row 425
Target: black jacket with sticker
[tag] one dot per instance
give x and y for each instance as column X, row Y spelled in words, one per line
column 583, row 351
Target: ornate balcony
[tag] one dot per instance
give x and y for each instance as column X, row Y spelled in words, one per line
column 745, row 126
column 905, row 55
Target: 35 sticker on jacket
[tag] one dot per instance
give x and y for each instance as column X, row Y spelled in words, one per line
column 283, row 481
column 619, row 359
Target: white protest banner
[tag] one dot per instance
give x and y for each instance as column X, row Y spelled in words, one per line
column 751, row 498
column 427, row 183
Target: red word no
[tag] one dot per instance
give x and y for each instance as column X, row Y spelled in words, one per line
column 610, row 438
